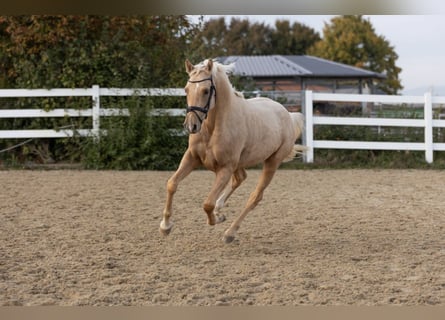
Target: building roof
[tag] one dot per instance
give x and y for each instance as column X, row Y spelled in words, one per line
column 294, row 66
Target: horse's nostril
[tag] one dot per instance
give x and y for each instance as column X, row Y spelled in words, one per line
column 195, row 127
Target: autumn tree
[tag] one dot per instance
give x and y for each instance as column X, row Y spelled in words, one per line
column 110, row 51
column 79, row 51
column 352, row 40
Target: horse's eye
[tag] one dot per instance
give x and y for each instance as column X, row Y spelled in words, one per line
column 206, row 91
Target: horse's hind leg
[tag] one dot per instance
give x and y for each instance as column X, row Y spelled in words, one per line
column 237, row 178
column 269, row 169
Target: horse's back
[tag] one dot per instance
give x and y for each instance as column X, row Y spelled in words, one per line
column 268, row 111
column 263, row 102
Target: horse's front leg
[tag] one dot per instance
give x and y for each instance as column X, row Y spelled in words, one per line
column 188, row 163
column 221, row 180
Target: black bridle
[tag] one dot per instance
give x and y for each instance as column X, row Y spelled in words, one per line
column 206, row 108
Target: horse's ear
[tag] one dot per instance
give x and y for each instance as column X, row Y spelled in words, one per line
column 188, row 66
column 209, row 65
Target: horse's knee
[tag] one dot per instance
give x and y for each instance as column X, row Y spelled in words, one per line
column 208, row 207
column 172, row 186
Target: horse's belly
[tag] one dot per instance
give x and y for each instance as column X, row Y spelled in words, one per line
column 257, row 154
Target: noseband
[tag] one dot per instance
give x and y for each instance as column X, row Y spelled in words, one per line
column 204, row 110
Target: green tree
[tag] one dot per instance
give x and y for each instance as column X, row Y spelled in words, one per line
column 246, row 38
column 243, row 37
column 210, row 41
column 240, row 37
column 293, row 39
column 352, row 40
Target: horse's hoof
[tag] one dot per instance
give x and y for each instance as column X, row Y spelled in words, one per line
column 165, row 228
column 220, row 218
column 165, row 232
column 228, row 239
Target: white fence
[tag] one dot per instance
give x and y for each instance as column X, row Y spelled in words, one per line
column 96, row 112
column 428, row 123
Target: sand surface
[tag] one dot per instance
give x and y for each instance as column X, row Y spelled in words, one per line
column 320, row 237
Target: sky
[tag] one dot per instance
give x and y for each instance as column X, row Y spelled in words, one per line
column 417, row 39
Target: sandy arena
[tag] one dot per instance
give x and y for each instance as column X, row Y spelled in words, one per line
column 319, row 237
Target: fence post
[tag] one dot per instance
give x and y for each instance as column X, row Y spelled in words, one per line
column 308, row 134
column 428, row 114
column 96, row 110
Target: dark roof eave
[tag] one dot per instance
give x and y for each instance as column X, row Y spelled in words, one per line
column 337, row 76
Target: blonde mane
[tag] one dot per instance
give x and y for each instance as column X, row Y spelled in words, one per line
column 226, row 69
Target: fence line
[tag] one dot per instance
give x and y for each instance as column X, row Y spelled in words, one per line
column 428, row 123
column 96, row 112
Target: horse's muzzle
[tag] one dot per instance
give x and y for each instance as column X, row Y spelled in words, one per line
column 191, row 130
column 191, row 124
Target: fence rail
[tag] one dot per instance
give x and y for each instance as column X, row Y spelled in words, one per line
column 96, row 112
column 428, row 123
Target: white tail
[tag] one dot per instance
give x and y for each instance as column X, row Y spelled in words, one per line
column 298, row 122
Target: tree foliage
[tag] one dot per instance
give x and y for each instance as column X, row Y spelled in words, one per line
column 243, row 37
column 81, row 51
column 293, row 39
column 352, row 40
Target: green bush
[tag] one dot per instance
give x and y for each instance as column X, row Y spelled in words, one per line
column 134, row 142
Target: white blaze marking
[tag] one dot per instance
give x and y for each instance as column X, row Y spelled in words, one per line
column 196, row 88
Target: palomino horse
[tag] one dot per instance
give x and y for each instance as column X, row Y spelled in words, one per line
column 227, row 134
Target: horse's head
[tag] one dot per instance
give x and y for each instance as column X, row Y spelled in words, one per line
column 201, row 94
